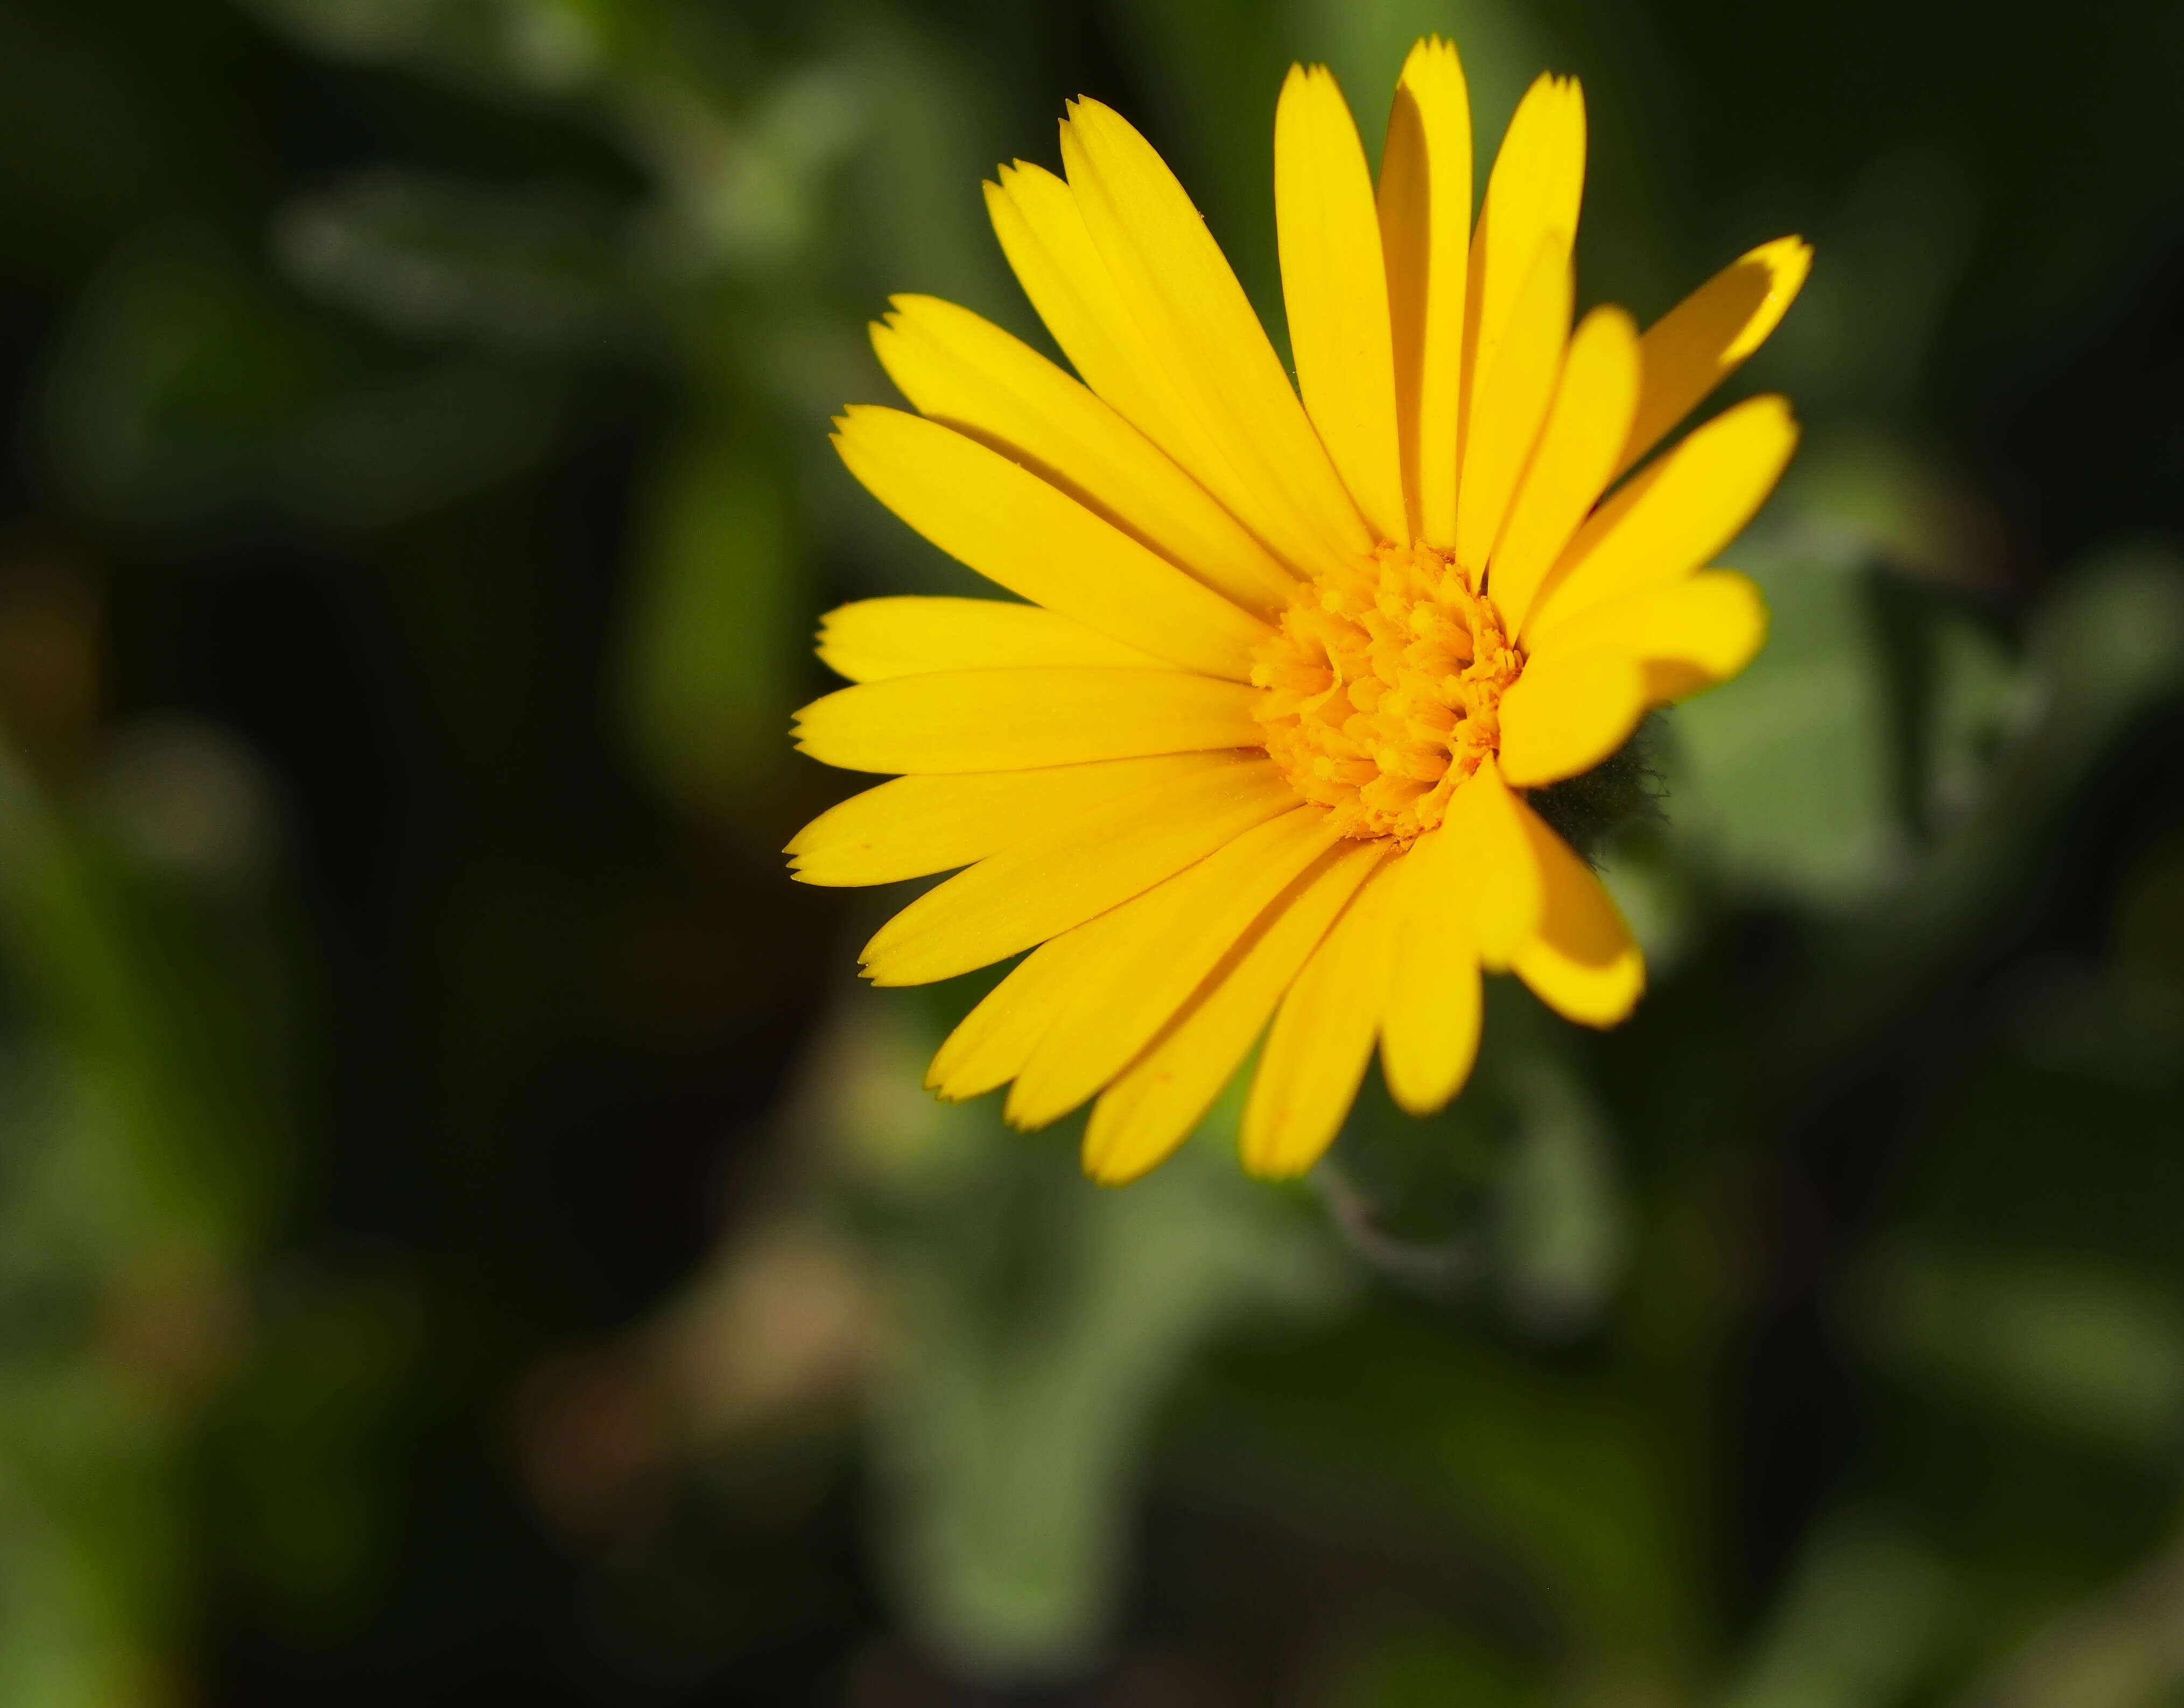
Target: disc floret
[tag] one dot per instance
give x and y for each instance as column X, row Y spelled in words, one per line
column 1382, row 686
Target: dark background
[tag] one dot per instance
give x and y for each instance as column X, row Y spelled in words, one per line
column 463, row 1232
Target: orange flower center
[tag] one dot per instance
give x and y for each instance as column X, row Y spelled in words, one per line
column 1384, row 684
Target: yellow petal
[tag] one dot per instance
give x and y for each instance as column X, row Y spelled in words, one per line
column 1511, row 403
column 1717, row 626
column 1484, row 832
column 1197, row 328
column 1035, row 540
column 992, row 1043
column 1673, row 517
column 1042, row 232
column 1042, row 229
column 1567, row 712
column 1425, row 198
column 873, row 639
column 1334, row 285
column 1589, row 419
column 1145, row 957
column 1532, row 197
column 914, row 827
column 1703, row 339
column 1688, row 637
column 1430, row 1036
column 1014, row 719
column 1159, row 1099
column 1583, row 963
column 964, row 370
column 1322, row 1039
column 1073, row 871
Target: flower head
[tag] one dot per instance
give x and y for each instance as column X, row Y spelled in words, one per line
column 1257, row 745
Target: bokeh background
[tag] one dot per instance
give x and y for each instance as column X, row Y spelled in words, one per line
column 464, row 1234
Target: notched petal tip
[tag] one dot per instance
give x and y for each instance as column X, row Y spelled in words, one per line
column 1431, row 45
column 1554, row 85
column 1789, row 256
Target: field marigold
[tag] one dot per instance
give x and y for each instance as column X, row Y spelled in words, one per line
column 1257, row 745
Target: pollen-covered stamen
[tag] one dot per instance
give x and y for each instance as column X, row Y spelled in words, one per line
column 1382, row 686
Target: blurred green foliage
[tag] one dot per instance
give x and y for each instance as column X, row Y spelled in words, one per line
column 461, row 1230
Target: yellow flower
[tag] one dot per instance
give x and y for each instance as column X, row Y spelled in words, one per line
column 1257, row 745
